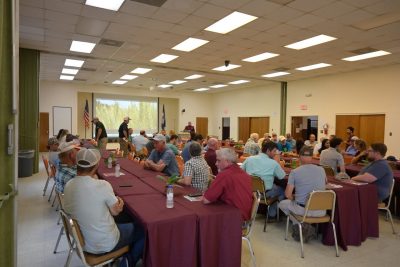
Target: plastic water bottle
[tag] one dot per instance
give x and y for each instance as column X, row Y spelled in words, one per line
column 109, row 162
column 170, row 197
column 117, row 169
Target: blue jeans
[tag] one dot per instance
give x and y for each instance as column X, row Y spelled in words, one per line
column 132, row 236
column 275, row 191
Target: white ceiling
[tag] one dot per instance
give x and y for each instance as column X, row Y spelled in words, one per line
column 147, row 31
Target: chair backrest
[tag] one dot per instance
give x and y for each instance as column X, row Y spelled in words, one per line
column 321, row 200
column 181, row 164
column 328, row 170
column 254, row 208
column 53, row 170
column 258, row 184
column 392, row 165
column 46, row 165
column 390, row 193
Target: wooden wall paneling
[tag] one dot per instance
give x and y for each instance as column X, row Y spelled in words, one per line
column 344, row 121
column 43, row 131
column 259, row 125
column 372, row 128
column 202, row 126
column 297, row 124
column 244, row 128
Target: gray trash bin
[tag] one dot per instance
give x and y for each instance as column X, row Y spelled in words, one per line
column 25, row 163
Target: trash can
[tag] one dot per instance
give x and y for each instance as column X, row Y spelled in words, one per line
column 25, row 163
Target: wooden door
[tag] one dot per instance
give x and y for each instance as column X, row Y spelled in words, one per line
column 244, row 128
column 43, row 131
column 344, row 121
column 259, row 125
column 202, row 126
column 297, row 128
column 372, row 128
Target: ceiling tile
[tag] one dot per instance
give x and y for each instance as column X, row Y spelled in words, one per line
column 334, row 10
column 309, row 5
column 306, row 21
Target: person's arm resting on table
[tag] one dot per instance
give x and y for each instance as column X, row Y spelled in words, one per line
column 187, row 175
column 290, row 187
column 366, row 177
column 117, row 207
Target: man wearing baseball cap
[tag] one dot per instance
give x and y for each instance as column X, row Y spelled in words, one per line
column 93, row 204
column 100, row 133
column 162, row 159
column 123, row 135
column 66, row 170
column 52, row 146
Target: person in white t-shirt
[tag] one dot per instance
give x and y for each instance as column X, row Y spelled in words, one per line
column 93, row 204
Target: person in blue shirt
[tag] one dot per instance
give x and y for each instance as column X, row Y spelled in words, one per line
column 193, row 138
column 162, row 159
column 283, row 145
column 351, row 150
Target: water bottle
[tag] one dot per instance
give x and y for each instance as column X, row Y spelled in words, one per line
column 109, row 162
column 170, row 196
column 117, row 169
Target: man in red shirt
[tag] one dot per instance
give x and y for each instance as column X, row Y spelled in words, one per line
column 232, row 185
column 211, row 156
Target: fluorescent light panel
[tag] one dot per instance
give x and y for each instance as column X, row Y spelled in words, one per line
column 141, row 70
column 275, row 74
column 194, row 76
column 314, row 66
column 128, row 77
column 230, row 22
column 105, row 4
column 177, row 82
column 73, row 63
column 190, row 44
column 164, row 58
column 164, row 85
column 201, row 89
column 260, row 57
column 316, row 40
column 239, row 82
column 83, row 47
column 66, row 77
column 119, row 82
column 69, row 71
column 223, row 68
column 218, row 86
column 367, row 55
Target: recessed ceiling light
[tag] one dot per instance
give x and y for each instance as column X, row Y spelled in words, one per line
column 239, row 82
column 69, row 71
column 119, row 82
column 201, row 89
column 66, row 77
column 367, row 55
column 178, row 82
column 218, row 85
column 224, row 68
column 260, row 57
column 73, row 63
column 164, row 85
column 190, row 44
column 164, row 58
column 83, row 47
column 128, row 77
column 194, row 76
column 275, row 74
column 141, row 70
column 316, row 40
column 314, row 66
column 106, row 4
column 230, row 22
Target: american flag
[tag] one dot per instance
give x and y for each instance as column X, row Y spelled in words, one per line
column 86, row 115
column 163, row 119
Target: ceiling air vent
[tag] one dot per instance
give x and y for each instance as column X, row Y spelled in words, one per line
column 364, row 50
column 281, row 69
column 156, row 3
column 88, row 69
column 110, row 42
column 80, row 80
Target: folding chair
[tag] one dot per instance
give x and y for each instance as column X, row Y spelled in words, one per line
column 60, row 199
column 49, row 172
column 328, row 170
column 76, row 243
column 248, row 225
column 385, row 207
column 181, row 164
column 318, row 200
column 258, row 185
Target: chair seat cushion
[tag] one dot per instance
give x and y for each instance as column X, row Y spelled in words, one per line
column 322, row 219
column 382, row 205
column 93, row 259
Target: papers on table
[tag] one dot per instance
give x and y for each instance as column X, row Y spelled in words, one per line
column 198, row 198
column 355, row 182
column 112, row 174
column 333, row 186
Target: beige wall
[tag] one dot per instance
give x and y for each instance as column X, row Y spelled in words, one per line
column 362, row 92
column 171, row 106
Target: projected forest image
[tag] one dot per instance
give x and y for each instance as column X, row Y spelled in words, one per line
column 112, row 112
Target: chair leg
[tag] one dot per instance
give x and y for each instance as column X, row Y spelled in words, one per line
column 54, row 200
column 287, row 227
column 334, row 235
column 51, row 193
column 266, row 219
column 58, row 240
column 71, row 250
column 253, row 257
column 45, row 186
column 389, row 214
column 59, row 220
column 301, row 240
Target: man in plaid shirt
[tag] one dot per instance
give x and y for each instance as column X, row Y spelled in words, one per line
column 251, row 147
column 66, row 170
column 196, row 170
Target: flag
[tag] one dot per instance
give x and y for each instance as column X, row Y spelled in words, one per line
column 163, row 119
column 86, row 115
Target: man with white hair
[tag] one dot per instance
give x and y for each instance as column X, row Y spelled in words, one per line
column 93, row 204
column 124, row 136
column 251, row 147
column 232, row 185
column 162, row 159
column 100, row 133
column 351, row 150
column 211, row 156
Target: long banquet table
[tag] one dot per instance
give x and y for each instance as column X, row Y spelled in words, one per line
column 190, row 234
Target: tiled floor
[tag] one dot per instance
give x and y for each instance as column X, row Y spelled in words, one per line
column 37, row 234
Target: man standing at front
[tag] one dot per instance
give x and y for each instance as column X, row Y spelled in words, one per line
column 93, row 204
column 101, row 134
column 267, row 169
column 232, row 185
column 123, row 136
column 162, row 159
column 378, row 171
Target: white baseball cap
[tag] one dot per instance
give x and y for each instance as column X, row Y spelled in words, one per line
column 159, row 137
column 127, row 118
column 87, row 157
